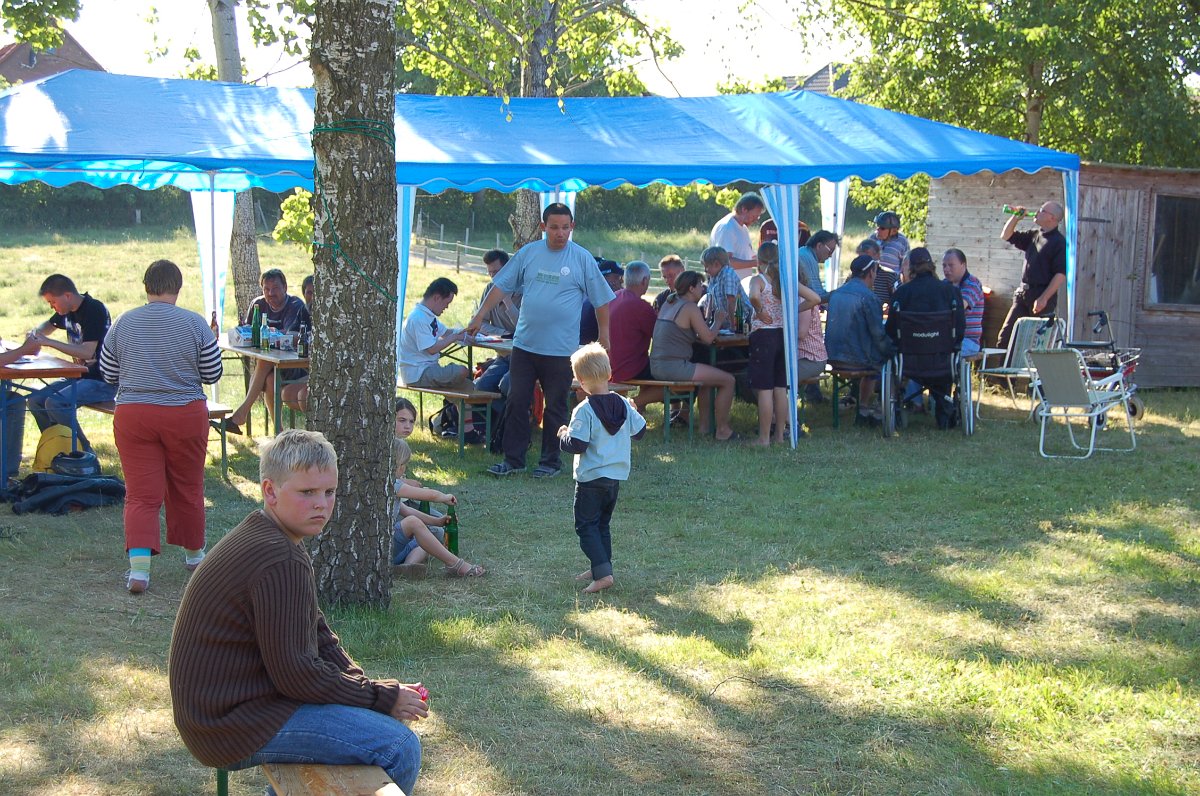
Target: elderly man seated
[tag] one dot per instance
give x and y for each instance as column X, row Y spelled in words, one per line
column 854, row 335
column 425, row 338
column 631, row 321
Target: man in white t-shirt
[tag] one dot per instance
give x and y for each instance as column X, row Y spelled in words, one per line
column 732, row 233
column 424, row 338
column 553, row 276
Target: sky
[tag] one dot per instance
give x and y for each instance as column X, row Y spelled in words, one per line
column 117, row 35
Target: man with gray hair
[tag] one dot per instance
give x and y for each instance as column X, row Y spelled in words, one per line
column 732, row 233
column 631, row 324
column 1045, row 268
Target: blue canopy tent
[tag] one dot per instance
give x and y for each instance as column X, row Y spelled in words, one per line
column 215, row 138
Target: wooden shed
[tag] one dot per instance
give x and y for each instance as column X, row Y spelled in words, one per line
column 1139, row 253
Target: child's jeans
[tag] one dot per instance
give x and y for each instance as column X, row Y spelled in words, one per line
column 340, row 735
column 594, row 504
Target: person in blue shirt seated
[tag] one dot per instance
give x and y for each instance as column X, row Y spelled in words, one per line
column 854, row 335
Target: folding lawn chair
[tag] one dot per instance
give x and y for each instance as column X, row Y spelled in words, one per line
column 1069, row 392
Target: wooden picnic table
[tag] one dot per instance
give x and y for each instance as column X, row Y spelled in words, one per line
column 277, row 358
column 42, row 367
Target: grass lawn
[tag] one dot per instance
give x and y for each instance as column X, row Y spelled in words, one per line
column 930, row 614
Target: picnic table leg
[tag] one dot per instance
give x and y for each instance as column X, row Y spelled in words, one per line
column 462, row 425
column 278, row 401
column 222, row 782
column 667, row 415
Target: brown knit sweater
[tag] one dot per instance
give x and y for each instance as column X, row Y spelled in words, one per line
column 251, row 646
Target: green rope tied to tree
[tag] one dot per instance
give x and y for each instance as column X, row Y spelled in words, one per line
column 379, row 131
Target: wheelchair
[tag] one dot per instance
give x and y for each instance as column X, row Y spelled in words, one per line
column 928, row 354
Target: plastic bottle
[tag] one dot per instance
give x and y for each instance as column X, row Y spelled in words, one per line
column 1012, row 211
column 256, row 328
column 266, row 337
column 452, row 532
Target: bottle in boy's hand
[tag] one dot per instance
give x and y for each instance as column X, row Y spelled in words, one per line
column 452, row 531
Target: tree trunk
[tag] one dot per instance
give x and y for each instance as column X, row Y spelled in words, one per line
column 243, row 253
column 542, row 46
column 353, row 358
column 1035, row 103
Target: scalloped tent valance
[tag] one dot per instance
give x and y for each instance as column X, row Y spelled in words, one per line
column 104, row 129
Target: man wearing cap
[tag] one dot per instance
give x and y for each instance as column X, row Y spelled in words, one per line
column 613, row 273
column 893, row 246
column 924, row 292
column 732, row 233
column 1045, row 268
column 553, row 276
column 854, row 335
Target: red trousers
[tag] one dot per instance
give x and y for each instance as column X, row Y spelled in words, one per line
column 163, row 449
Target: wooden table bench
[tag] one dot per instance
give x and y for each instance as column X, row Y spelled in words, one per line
column 672, row 390
column 462, row 399
column 842, row 377
column 216, row 411
column 318, row 780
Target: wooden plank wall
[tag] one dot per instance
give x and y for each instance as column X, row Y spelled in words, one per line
column 1115, row 230
column 964, row 212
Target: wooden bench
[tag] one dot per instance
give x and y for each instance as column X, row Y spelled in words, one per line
column 620, row 388
column 216, row 412
column 318, row 780
column 672, row 390
column 842, row 377
column 462, row 399
column 321, row 780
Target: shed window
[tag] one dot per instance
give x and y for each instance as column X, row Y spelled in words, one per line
column 1175, row 270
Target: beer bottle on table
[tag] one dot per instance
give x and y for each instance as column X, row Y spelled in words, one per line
column 302, row 342
column 266, row 337
column 216, row 327
column 452, row 532
column 256, row 328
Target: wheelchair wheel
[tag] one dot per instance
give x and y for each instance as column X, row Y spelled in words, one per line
column 1137, row 407
column 889, row 399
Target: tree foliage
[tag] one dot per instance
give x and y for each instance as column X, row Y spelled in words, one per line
column 37, row 21
column 529, row 48
column 1103, row 78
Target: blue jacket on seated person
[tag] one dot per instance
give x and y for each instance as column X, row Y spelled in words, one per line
column 854, row 329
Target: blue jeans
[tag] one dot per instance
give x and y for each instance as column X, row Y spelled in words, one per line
column 52, row 404
column 494, row 379
column 594, row 504
column 340, row 735
column 14, row 433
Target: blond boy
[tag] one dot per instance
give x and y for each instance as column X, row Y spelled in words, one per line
column 599, row 435
column 256, row 674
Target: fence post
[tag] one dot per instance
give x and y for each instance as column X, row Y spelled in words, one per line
column 425, row 260
column 467, row 236
column 458, row 250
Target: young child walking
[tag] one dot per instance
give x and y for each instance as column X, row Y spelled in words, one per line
column 412, row 539
column 599, row 436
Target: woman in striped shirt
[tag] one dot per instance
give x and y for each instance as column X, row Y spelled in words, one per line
column 159, row 356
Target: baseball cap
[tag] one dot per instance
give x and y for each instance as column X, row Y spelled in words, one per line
column 919, row 255
column 609, row 267
column 861, row 263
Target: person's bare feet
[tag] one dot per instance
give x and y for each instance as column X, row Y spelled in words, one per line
column 599, row 585
column 761, row 443
column 585, row 575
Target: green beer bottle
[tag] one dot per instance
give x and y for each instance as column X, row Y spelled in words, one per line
column 452, row 532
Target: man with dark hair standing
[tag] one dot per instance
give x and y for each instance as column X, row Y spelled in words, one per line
column 732, row 233
column 424, row 338
column 283, row 313
column 86, row 322
column 1045, row 265
column 553, row 276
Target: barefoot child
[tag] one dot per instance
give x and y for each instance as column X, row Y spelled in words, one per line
column 412, row 540
column 599, row 434
column 256, row 674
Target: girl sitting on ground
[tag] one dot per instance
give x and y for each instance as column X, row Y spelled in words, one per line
column 412, row 540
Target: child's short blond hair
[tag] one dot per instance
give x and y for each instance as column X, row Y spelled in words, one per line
column 590, row 363
column 401, row 453
column 295, row 451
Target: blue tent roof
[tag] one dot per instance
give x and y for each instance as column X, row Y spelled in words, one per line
column 104, row 129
